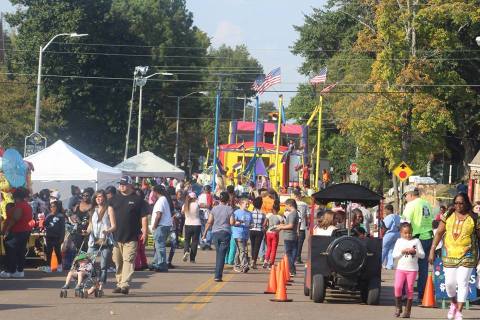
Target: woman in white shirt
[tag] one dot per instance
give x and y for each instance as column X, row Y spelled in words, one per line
column 193, row 226
column 325, row 225
column 101, row 225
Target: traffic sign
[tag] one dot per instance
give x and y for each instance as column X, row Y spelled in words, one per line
column 403, row 171
column 354, row 168
column 34, row 143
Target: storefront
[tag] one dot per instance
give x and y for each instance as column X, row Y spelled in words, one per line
column 474, row 182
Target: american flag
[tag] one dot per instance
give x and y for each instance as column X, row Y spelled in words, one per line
column 321, row 77
column 328, row 88
column 262, row 83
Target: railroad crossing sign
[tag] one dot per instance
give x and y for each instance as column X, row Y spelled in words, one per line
column 354, row 168
column 403, row 171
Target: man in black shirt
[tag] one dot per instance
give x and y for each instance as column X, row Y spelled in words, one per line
column 128, row 209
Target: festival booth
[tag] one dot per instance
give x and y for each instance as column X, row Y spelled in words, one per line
column 60, row 165
column 147, row 164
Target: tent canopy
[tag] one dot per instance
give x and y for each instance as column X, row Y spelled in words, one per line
column 60, row 165
column 348, row 192
column 147, row 164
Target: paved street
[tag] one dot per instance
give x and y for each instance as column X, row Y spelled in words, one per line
column 188, row 292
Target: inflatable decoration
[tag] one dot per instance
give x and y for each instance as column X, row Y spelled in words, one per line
column 6, row 199
column 4, row 185
column 14, row 168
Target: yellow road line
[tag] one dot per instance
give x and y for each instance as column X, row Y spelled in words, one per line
column 209, row 296
column 190, row 298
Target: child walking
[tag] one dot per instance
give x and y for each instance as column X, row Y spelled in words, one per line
column 406, row 253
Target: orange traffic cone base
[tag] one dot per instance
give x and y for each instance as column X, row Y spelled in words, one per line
column 278, row 300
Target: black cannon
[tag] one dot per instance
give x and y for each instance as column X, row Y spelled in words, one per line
column 344, row 261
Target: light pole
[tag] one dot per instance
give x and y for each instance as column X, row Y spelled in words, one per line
column 178, row 120
column 141, row 81
column 215, row 141
column 39, row 76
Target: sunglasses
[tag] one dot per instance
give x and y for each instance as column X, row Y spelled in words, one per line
column 85, row 195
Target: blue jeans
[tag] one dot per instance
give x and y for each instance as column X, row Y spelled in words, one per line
column 105, row 257
column 291, row 247
column 261, row 253
column 221, row 240
column 387, row 248
column 160, row 236
column 423, row 268
column 208, row 238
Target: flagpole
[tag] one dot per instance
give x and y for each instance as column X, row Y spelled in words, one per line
column 319, row 133
column 215, row 142
column 254, row 159
column 243, row 157
column 278, row 138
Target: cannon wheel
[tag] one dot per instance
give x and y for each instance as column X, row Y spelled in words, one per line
column 318, row 288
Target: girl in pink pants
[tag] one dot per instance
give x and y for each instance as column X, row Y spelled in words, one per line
column 406, row 253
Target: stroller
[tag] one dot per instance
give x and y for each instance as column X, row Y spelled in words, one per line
column 84, row 265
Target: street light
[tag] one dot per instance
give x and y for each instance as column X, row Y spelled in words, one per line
column 39, row 76
column 141, row 81
column 205, row 93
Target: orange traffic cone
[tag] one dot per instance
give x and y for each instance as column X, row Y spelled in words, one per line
column 280, row 271
column 286, row 264
column 428, row 300
column 53, row 262
column 281, row 294
column 272, row 282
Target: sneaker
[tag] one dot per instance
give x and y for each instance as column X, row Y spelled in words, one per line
column 236, row 269
column 18, row 274
column 4, row 274
column 124, row 290
column 59, row 269
column 245, row 270
column 171, row 266
column 65, row 287
column 117, row 290
column 452, row 311
column 217, row 280
column 458, row 315
column 45, row 269
column 185, row 256
column 265, row 265
column 192, row 261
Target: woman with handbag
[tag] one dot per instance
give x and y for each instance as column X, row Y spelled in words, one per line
column 101, row 225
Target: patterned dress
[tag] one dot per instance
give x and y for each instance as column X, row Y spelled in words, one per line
column 460, row 242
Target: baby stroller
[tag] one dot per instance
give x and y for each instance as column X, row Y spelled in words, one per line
column 85, row 267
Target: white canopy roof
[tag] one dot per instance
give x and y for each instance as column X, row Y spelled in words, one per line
column 147, row 164
column 60, row 165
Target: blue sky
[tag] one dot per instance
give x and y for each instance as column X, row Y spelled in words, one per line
column 265, row 26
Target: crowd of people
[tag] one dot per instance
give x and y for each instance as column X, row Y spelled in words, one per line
column 115, row 224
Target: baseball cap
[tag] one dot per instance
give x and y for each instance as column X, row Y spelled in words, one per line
column 126, row 180
column 410, row 189
column 55, row 194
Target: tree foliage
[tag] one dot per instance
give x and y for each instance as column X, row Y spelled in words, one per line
column 401, row 78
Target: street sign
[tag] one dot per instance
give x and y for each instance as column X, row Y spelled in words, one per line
column 354, row 168
column 403, row 171
column 34, row 143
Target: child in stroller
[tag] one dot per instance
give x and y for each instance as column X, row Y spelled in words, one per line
column 83, row 269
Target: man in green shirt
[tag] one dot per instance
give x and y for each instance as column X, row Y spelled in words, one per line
column 420, row 215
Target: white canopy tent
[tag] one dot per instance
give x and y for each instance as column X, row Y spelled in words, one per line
column 60, row 165
column 147, row 164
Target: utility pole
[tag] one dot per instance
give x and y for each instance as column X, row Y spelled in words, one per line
column 2, row 40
